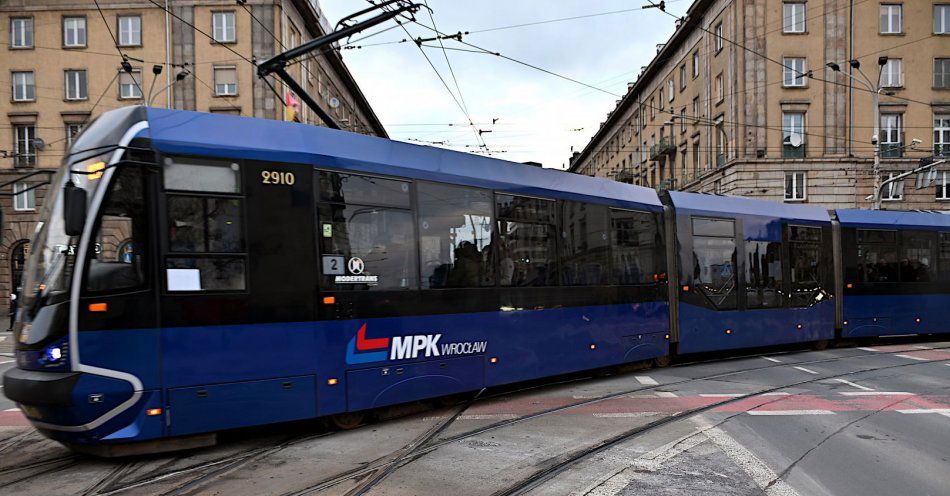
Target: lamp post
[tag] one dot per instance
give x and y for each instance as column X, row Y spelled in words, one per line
column 182, row 74
column 875, row 90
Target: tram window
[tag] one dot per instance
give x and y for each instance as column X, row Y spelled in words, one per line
column 214, row 273
column 526, row 234
column 763, row 274
column 714, row 255
column 363, row 190
column 118, row 255
column 634, row 242
column 367, row 248
column 585, row 244
column 944, row 262
column 189, row 174
column 877, row 256
column 204, row 225
column 917, row 257
column 455, row 235
column 804, row 233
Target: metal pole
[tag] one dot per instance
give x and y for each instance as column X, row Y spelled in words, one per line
column 168, row 58
column 876, row 96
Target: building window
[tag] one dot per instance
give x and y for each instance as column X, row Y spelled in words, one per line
column 223, row 27
column 72, row 130
column 942, row 135
column 24, row 148
column 74, row 31
column 795, row 186
column 695, row 115
column 130, row 30
column 793, row 134
column 793, row 16
column 696, row 159
column 129, row 84
column 683, row 120
column 23, row 199
column 662, row 101
column 652, row 108
column 891, row 135
column 718, row 37
column 941, row 19
column 721, row 142
column 942, row 73
column 793, row 74
column 672, row 88
column 892, row 18
column 682, row 77
column 23, row 87
column 76, row 85
column 21, row 32
column 943, row 186
column 892, row 74
column 893, row 191
column 696, row 64
column 718, row 88
column 225, row 81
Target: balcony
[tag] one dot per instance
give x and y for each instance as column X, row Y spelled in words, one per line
column 892, row 150
column 792, row 151
column 663, row 147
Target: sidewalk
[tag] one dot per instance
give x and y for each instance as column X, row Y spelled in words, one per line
column 6, row 342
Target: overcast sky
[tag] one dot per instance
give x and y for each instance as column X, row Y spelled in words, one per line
column 539, row 116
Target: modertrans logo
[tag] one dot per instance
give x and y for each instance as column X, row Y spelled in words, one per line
column 361, row 349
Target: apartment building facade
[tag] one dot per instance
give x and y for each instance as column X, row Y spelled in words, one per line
column 742, row 100
column 62, row 66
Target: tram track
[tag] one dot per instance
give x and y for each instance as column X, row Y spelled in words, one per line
column 112, row 483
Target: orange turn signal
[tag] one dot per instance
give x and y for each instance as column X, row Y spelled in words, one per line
column 151, row 412
column 685, row 289
column 493, row 359
column 850, row 285
column 329, row 300
column 98, row 307
column 333, row 381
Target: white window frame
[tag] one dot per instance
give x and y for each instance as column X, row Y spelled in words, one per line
column 70, row 135
column 74, row 28
column 793, row 126
column 892, row 74
column 72, row 82
column 695, row 64
column 28, row 157
column 718, row 37
column 23, row 201
column 24, row 86
column 135, row 89
column 223, row 26
column 224, row 85
column 794, row 17
column 893, row 191
column 892, row 126
column 21, row 28
column 130, row 33
column 672, row 88
column 799, row 190
column 891, row 18
column 943, row 186
column 941, row 14
column 794, row 72
column 682, row 77
column 944, row 75
column 720, row 91
column 942, row 134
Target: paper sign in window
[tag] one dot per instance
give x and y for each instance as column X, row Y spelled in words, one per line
column 183, row 279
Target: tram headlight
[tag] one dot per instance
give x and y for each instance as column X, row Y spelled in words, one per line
column 54, row 354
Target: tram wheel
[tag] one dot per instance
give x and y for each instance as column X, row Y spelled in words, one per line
column 820, row 345
column 347, row 421
column 663, row 361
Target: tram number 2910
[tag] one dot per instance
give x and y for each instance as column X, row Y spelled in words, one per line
column 277, row 177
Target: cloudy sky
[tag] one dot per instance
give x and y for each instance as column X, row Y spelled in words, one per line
column 539, row 116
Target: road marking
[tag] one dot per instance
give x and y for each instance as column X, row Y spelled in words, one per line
column 913, row 358
column 790, row 412
column 626, row 414
column 666, row 394
column 845, row 381
column 12, row 410
column 919, row 347
column 875, row 393
column 926, row 410
column 720, row 395
column 776, row 360
column 776, row 393
column 868, row 349
column 945, row 414
column 759, row 471
column 7, row 361
column 803, row 369
column 646, row 380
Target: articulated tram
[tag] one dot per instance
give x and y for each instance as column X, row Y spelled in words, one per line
column 193, row 273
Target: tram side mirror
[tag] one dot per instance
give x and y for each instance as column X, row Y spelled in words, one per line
column 74, row 208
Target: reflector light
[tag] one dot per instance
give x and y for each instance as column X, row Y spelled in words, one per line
column 593, row 346
column 493, row 359
column 685, row 288
column 98, row 307
column 728, row 331
column 917, row 320
column 667, row 336
column 850, row 285
column 329, row 300
column 845, row 322
column 799, row 326
column 333, row 381
column 151, row 412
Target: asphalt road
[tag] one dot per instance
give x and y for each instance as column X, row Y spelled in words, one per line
column 835, row 422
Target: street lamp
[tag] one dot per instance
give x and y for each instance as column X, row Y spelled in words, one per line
column 182, row 74
column 875, row 90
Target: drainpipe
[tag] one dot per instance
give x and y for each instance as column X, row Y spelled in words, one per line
column 851, row 79
column 168, row 58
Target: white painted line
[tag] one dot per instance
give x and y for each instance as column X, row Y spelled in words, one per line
column 7, row 361
column 489, row 416
column 624, row 414
column 646, row 380
column 776, row 360
column 776, row 393
column 803, row 369
column 790, row 412
column 875, row 393
column 666, row 394
column 720, row 395
column 919, row 347
column 845, row 381
column 914, row 358
column 12, row 410
column 945, row 414
column 926, row 410
column 759, row 471
column 868, row 349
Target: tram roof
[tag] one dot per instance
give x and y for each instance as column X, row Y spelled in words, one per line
column 893, row 219
column 186, row 132
column 719, row 204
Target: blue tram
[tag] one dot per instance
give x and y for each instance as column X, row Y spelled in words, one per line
column 194, row 272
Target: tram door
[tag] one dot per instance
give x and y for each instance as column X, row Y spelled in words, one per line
column 238, row 291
